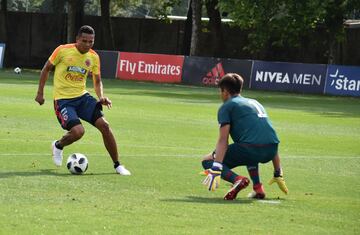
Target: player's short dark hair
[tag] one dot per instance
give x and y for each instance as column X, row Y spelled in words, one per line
column 231, row 82
column 86, row 29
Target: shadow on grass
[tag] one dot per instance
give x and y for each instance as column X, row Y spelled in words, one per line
column 47, row 172
column 212, row 200
column 207, row 200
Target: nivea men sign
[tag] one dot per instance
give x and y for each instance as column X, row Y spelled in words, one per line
column 306, row 78
column 343, row 80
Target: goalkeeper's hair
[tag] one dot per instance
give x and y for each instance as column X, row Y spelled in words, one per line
column 86, row 29
column 232, row 82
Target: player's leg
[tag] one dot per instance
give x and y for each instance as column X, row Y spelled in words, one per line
column 263, row 155
column 259, row 192
column 234, row 157
column 91, row 111
column 69, row 120
column 110, row 144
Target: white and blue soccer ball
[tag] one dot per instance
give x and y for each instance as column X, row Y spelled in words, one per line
column 77, row 163
column 17, row 70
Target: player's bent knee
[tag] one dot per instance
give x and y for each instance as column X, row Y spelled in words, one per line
column 102, row 125
column 77, row 132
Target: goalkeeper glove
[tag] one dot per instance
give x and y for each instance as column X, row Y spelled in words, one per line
column 212, row 180
column 278, row 178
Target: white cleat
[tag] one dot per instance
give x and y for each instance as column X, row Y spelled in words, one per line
column 122, row 170
column 57, row 154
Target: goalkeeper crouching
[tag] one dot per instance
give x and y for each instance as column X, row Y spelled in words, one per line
column 255, row 141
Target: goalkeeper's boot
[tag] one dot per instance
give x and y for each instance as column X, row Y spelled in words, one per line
column 57, row 154
column 122, row 170
column 258, row 192
column 236, row 188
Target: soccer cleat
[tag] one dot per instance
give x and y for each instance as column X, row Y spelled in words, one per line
column 258, row 192
column 122, row 170
column 57, row 154
column 236, row 188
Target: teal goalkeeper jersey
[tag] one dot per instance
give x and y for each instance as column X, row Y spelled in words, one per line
column 249, row 122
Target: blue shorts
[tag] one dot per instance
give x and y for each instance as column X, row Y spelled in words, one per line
column 70, row 111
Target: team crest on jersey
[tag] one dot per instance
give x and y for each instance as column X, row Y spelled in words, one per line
column 88, row 63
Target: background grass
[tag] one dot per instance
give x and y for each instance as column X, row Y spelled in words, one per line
column 162, row 132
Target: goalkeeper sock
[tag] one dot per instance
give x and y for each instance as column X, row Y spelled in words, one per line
column 228, row 175
column 254, row 174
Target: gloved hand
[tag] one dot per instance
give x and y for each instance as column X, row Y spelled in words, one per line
column 212, row 180
column 279, row 179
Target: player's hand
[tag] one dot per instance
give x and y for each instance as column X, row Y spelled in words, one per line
column 40, row 98
column 280, row 182
column 212, row 180
column 105, row 101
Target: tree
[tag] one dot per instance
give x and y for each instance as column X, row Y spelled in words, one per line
column 75, row 18
column 187, row 30
column 215, row 26
column 53, row 6
column 196, row 6
column 107, row 34
column 3, row 28
column 280, row 23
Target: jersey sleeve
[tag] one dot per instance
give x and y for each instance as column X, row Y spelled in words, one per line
column 224, row 116
column 96, row 67
column 55, row 56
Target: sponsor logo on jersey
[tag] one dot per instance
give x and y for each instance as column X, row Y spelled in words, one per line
column 77, row 69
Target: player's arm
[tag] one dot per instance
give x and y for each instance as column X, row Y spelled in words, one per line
column 212, row 180
column 44, row 75
column 98, row 86
column 278, row 175
column 222, row 143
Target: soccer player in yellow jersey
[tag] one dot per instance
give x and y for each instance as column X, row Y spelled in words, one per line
column 73, row 63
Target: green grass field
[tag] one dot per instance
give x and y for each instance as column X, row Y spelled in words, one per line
column 162, row 133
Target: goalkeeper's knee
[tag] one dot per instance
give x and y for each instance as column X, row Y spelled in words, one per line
column 207, row 164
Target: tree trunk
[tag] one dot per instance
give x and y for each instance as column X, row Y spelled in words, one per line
column 188, row 30
column 196, row 27
column 75, row 18
column 3, row 28
column 107, row 34
column 215, row 27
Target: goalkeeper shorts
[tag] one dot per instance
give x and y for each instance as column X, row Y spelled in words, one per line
column 248, row 155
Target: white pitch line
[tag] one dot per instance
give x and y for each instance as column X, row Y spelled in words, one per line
column 181, row 155
column 269, row 201
column 102, row 154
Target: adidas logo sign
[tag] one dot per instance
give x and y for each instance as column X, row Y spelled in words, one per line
column 213, row 77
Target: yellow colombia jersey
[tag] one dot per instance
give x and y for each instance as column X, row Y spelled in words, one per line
column 71, row 70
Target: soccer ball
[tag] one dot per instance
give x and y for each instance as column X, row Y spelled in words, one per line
column 77, row 163
column 17, row 70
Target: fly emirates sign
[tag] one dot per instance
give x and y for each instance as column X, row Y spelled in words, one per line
column 150, row 67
